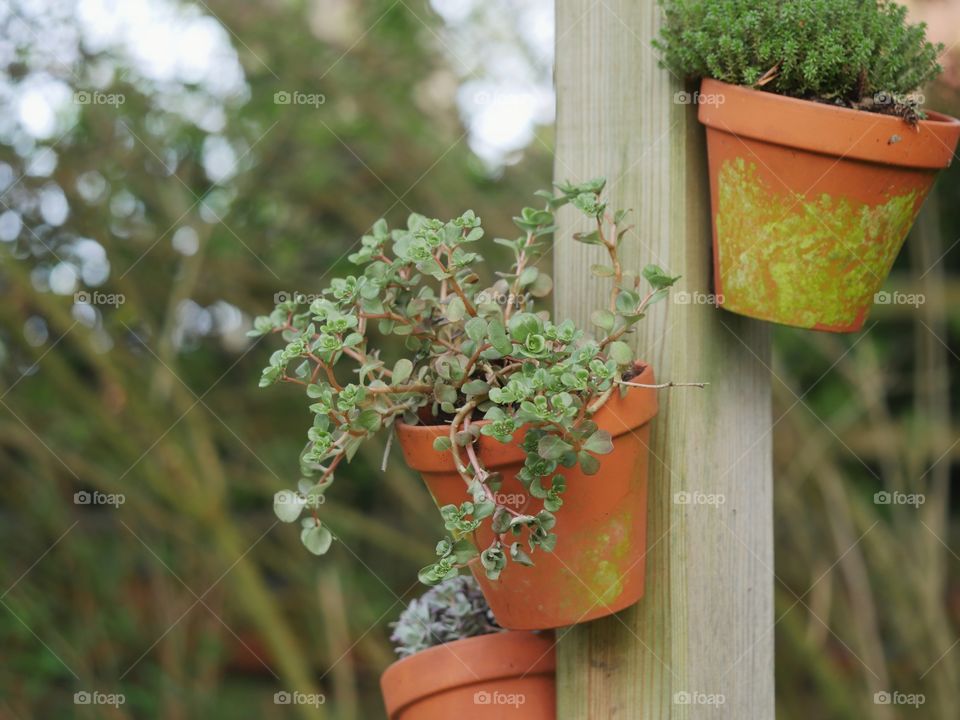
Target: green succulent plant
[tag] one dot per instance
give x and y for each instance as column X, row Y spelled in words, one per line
column 473, row 352
column 454, row 609
column 859, row 53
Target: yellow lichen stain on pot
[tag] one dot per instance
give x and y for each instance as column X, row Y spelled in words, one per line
column 606, row 559
column 803, row 261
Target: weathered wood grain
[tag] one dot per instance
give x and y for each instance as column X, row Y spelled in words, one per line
column 706, row 623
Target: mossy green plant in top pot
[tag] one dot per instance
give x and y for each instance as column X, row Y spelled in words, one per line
column 820, row 154
column 457, row 662
column 530, row 433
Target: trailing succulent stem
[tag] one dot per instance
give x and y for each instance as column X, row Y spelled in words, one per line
column 856, row 53
column 483, row 359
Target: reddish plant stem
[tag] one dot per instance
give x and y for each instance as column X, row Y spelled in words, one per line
column 640, row 308
column 521, row 264
column 482, row 474
column 472, row 361
column 399, row 389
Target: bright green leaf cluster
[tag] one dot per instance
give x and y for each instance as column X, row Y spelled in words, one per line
column 858, row 53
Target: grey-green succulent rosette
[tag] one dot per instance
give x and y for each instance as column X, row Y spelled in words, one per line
column 455, row 609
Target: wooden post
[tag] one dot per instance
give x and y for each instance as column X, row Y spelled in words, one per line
column 700, row 643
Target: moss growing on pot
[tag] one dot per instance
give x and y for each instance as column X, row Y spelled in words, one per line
column 807, row 261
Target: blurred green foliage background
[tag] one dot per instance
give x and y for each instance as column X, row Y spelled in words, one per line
column 179, row 164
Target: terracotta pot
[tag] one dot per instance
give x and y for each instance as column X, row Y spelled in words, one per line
column 597, row 566
column 503, row 675
column 812, row 202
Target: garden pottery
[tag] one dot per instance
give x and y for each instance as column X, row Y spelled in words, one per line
column 490, row 677
column 597, row 567
column 811, row 202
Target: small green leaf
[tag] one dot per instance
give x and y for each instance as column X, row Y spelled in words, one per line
column 287, row 505
column 369, row 420
column 433, row 574
column 476, row 329
column 464, row 550
column 519, row 555
column 591, row 238
column 528, row 276
column 456, row 310
column 316, row 539
column 551, row 447
column 493, row 561
column 588, row 463
column 483, row 509
column 599, row 443
column 501, row 520
column 627, row 302
column 498, row 337
column 542, row 286
column 475, row 387
column 442, row 443
column 549, row 542
column 524, row 324
column 401, row 371
column 445, row 393
column 658, row 278
column 546, row 519
column 603, row 319
column 620, row 353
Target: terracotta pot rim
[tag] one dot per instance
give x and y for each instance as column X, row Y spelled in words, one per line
column 470, row 661
column 827, row 129
column 636, row 408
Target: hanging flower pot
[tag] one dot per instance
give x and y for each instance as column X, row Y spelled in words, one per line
column 496, row 676
column 458, row 662
column 811, row 203
column 531, row 432
column 597, row 565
